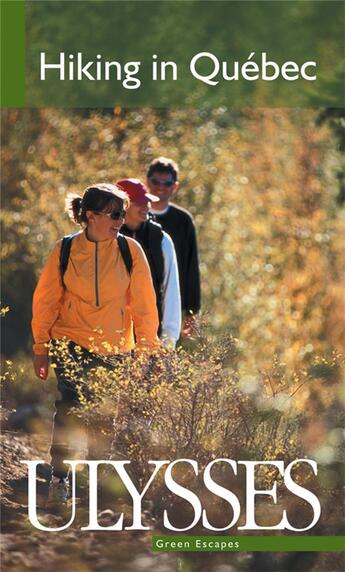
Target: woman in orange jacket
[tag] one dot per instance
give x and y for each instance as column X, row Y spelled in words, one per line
column 91, row 302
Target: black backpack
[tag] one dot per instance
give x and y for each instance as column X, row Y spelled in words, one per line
column 150, row 236
column 66, row 249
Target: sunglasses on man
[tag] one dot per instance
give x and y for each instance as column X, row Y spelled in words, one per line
column 114, row 215
column 166, row 184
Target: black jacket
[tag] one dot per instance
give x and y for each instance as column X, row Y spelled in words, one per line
column 178, row 223
column 149, row 235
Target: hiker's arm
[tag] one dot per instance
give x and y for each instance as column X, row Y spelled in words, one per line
column 47, row 302
column 171, row 299
column 192, row 283
column 142, row 301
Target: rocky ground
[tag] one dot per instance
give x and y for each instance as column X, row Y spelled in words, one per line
column 26, row 548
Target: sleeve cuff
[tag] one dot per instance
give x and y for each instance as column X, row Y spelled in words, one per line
column 40, row 349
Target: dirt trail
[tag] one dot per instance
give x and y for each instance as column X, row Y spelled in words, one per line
column 26, row 548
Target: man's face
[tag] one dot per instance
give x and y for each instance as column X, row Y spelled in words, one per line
column 137, row 213
column 162, row 185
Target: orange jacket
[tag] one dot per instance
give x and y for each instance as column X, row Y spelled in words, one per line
column 98, row 303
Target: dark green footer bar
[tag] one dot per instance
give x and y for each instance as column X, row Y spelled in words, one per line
column 248, row 543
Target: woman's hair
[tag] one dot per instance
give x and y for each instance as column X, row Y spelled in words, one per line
column 95, row 198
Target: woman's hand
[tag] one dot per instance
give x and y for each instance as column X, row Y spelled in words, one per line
column 41, row 366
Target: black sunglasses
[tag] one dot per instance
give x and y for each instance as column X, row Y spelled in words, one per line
column 166, row 184
column 114, row 215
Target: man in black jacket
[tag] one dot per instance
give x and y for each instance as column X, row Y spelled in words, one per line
column 162, row 180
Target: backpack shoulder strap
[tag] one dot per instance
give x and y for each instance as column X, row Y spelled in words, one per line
column 155, row 237
column 65, row 252
column 155, row 230
column 155, row 224
column 125, row 252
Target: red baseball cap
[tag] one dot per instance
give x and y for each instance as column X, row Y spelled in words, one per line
column 137, row 191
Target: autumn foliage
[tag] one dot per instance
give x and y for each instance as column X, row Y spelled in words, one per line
column 261, row 185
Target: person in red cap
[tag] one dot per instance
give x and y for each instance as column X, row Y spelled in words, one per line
column 161, row 256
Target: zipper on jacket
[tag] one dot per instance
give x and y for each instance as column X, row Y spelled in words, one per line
column 96, row 275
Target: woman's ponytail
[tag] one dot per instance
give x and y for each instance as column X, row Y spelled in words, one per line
column 74, row 207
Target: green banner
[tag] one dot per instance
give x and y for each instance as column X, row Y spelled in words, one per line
column 12, row 14
column 163, row 54
column 248, row 543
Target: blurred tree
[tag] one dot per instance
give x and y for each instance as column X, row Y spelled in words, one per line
column 335, row 118
column 19, row 133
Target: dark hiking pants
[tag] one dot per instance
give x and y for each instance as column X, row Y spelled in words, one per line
column 72, row 365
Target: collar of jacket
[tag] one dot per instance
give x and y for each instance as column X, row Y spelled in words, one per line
column 129, row 232
column 89, row 245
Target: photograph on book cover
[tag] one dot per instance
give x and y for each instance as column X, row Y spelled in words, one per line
column 187, row 334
